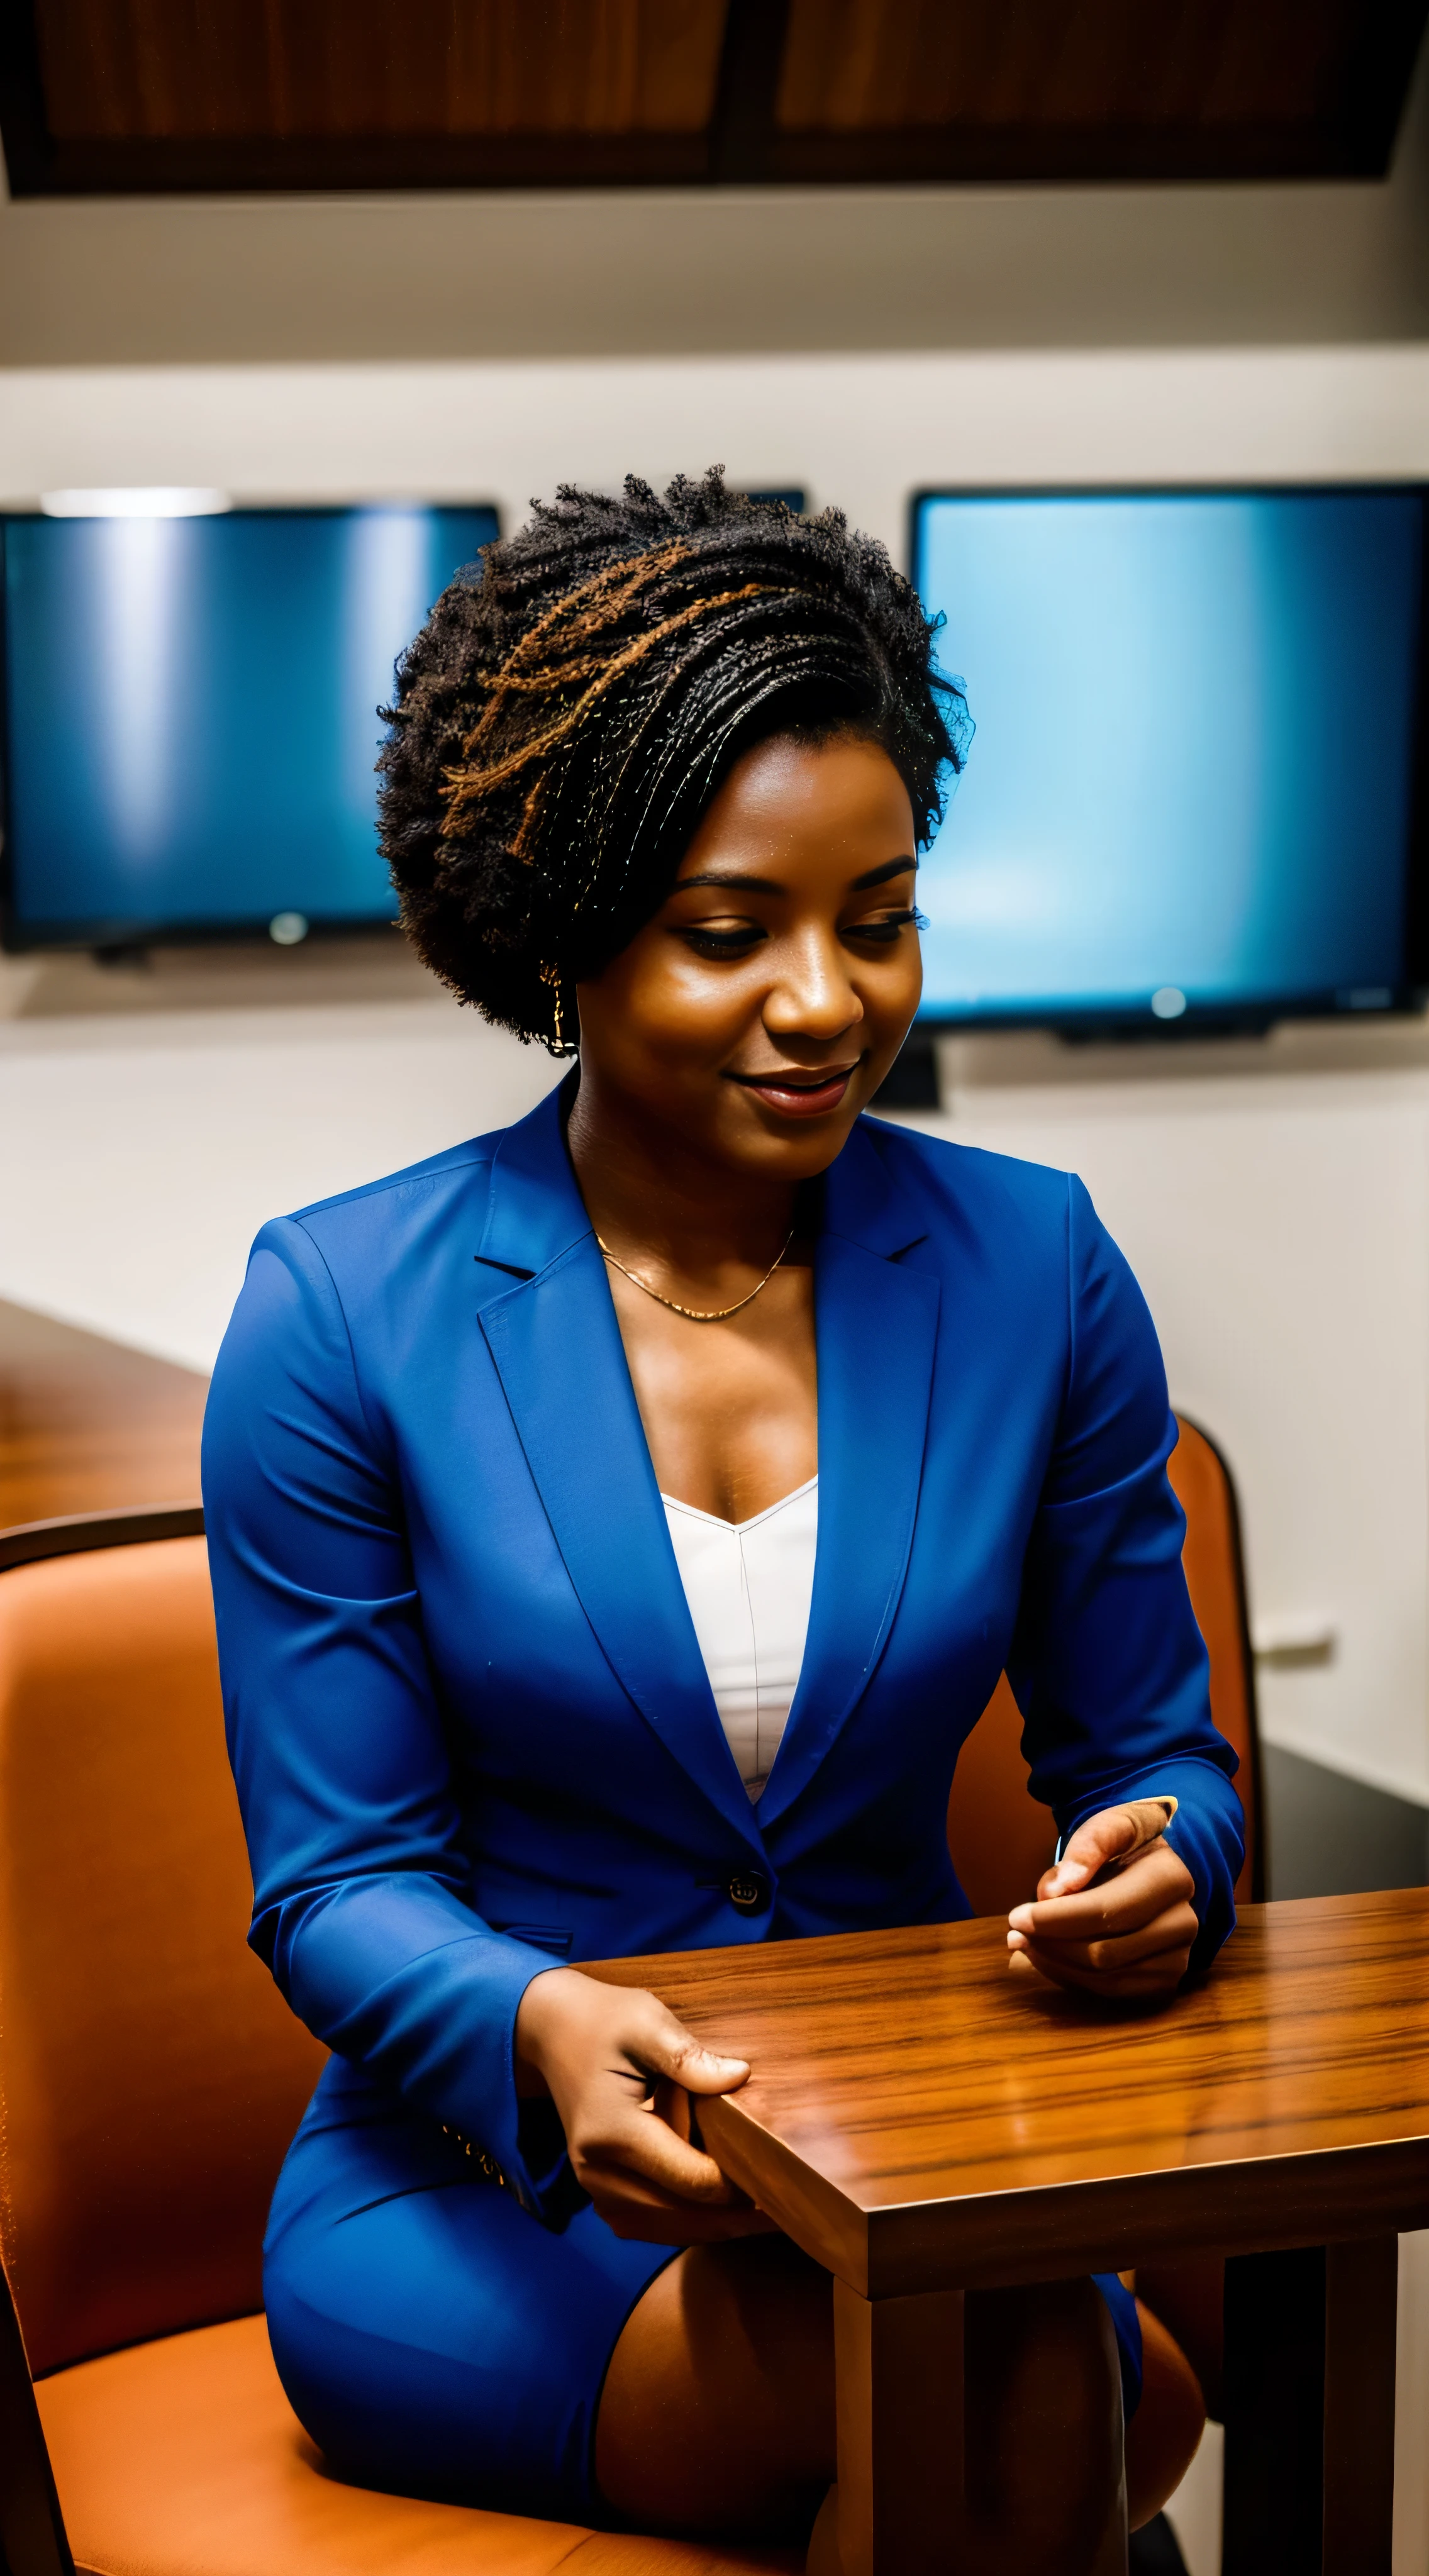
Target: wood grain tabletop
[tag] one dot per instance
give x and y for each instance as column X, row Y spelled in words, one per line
column 88, row 1425
column 918, row 2118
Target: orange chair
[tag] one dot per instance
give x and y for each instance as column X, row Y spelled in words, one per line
column 150, row 2079
column 1001, row 1838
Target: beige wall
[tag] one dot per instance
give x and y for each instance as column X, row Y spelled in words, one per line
column 660, row 273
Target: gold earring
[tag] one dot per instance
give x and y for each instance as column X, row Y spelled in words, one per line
column 551, row 976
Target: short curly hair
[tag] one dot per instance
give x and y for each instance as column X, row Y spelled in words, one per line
column 571, row 707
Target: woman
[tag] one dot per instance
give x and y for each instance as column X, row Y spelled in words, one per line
column 516, row 1465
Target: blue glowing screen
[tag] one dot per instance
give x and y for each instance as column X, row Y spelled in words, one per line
column 191, row 710
column 1192, row 775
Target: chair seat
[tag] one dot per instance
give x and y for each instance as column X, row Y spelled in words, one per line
column 184, row 2458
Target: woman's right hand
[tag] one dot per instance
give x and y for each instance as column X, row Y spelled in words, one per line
column 620, row 2070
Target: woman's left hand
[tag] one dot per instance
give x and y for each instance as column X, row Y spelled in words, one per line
column 1126, row 1933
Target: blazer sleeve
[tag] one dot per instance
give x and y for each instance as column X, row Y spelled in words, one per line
column 1108, row 1665
column 335, row 1730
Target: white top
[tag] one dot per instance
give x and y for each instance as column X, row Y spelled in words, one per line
column 749, row 1585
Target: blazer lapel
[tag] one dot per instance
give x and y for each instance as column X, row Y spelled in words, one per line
column 556, row 1345
column 554, row 1339
column 876, row 1329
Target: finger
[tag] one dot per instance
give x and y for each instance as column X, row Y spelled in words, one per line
column 1104, row 1970
column 1112, row 1990
column 690, row 2227
column 1101, row 1838
column 663, row 2046
column 703, row 2070
column 638, row 2142
column 1100, row 1959
column 1155, row 1878
column 1140, row 1988
column 1175, row 1929
column 1158, row 1976
column 1100, row 1841
column 656, row 2219
column 630, row 2202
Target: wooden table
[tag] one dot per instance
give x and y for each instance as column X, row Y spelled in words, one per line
column 87, row 1425
column 922, row 2123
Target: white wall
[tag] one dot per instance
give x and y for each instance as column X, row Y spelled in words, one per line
column 140, row 1154
column 1273, row 1199
column 864, row 431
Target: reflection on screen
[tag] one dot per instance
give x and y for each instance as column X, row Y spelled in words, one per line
column 1192, row 771
column 192, row 709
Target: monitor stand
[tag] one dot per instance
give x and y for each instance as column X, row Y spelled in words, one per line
column 911, row 1081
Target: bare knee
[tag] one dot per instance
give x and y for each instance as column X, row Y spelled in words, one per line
column 1165, row 2432
column 718, row 2409
column 1044, row 2428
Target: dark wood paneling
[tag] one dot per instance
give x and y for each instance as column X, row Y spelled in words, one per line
column 856, row 66
column 156, row 95
column 1107, row 88
column 183, row 71
column 748, row 86
column 89, row 1426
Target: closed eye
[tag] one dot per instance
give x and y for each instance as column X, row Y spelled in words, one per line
column 741, row 937
column 883, row 932
column 724, row 943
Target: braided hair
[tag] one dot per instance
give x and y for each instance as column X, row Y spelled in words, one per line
column 568, row 712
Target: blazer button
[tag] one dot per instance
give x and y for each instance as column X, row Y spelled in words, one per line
column 748, row 1891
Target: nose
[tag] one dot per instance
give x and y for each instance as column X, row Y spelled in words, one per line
column 814, row 995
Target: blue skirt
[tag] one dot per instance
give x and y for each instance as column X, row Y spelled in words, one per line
column 435, row 2339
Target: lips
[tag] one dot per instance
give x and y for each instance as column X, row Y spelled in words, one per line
column 798, row 1095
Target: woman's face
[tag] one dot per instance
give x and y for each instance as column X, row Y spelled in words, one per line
column 759, row 1011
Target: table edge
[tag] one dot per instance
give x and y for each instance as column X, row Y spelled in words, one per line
column 1099, row 2223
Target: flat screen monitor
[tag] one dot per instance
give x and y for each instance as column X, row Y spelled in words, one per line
column 1193, row 796
column 190, row 716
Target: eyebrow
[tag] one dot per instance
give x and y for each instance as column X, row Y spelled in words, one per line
column 768, row 885
column 880, row 876
column 744, row 885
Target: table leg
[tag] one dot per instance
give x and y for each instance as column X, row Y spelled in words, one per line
column 1309, row 2409
column 1361, row 2309
column 1274, row 2413
column 900, row 2432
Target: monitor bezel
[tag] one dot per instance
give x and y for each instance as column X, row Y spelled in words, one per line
column 1245, row 1015
column 127, row 934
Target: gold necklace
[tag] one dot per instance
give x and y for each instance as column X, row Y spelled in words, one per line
column 692, row 1315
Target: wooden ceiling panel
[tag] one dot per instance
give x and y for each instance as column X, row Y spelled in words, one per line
column 185, row 70
column 152, row 95
column 1093, row 88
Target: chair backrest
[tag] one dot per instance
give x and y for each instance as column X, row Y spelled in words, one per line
column 1000, row 1837
column 1215, row 1578
column 150, row 2074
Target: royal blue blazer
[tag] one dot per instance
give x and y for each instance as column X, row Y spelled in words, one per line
column 469, row 1721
